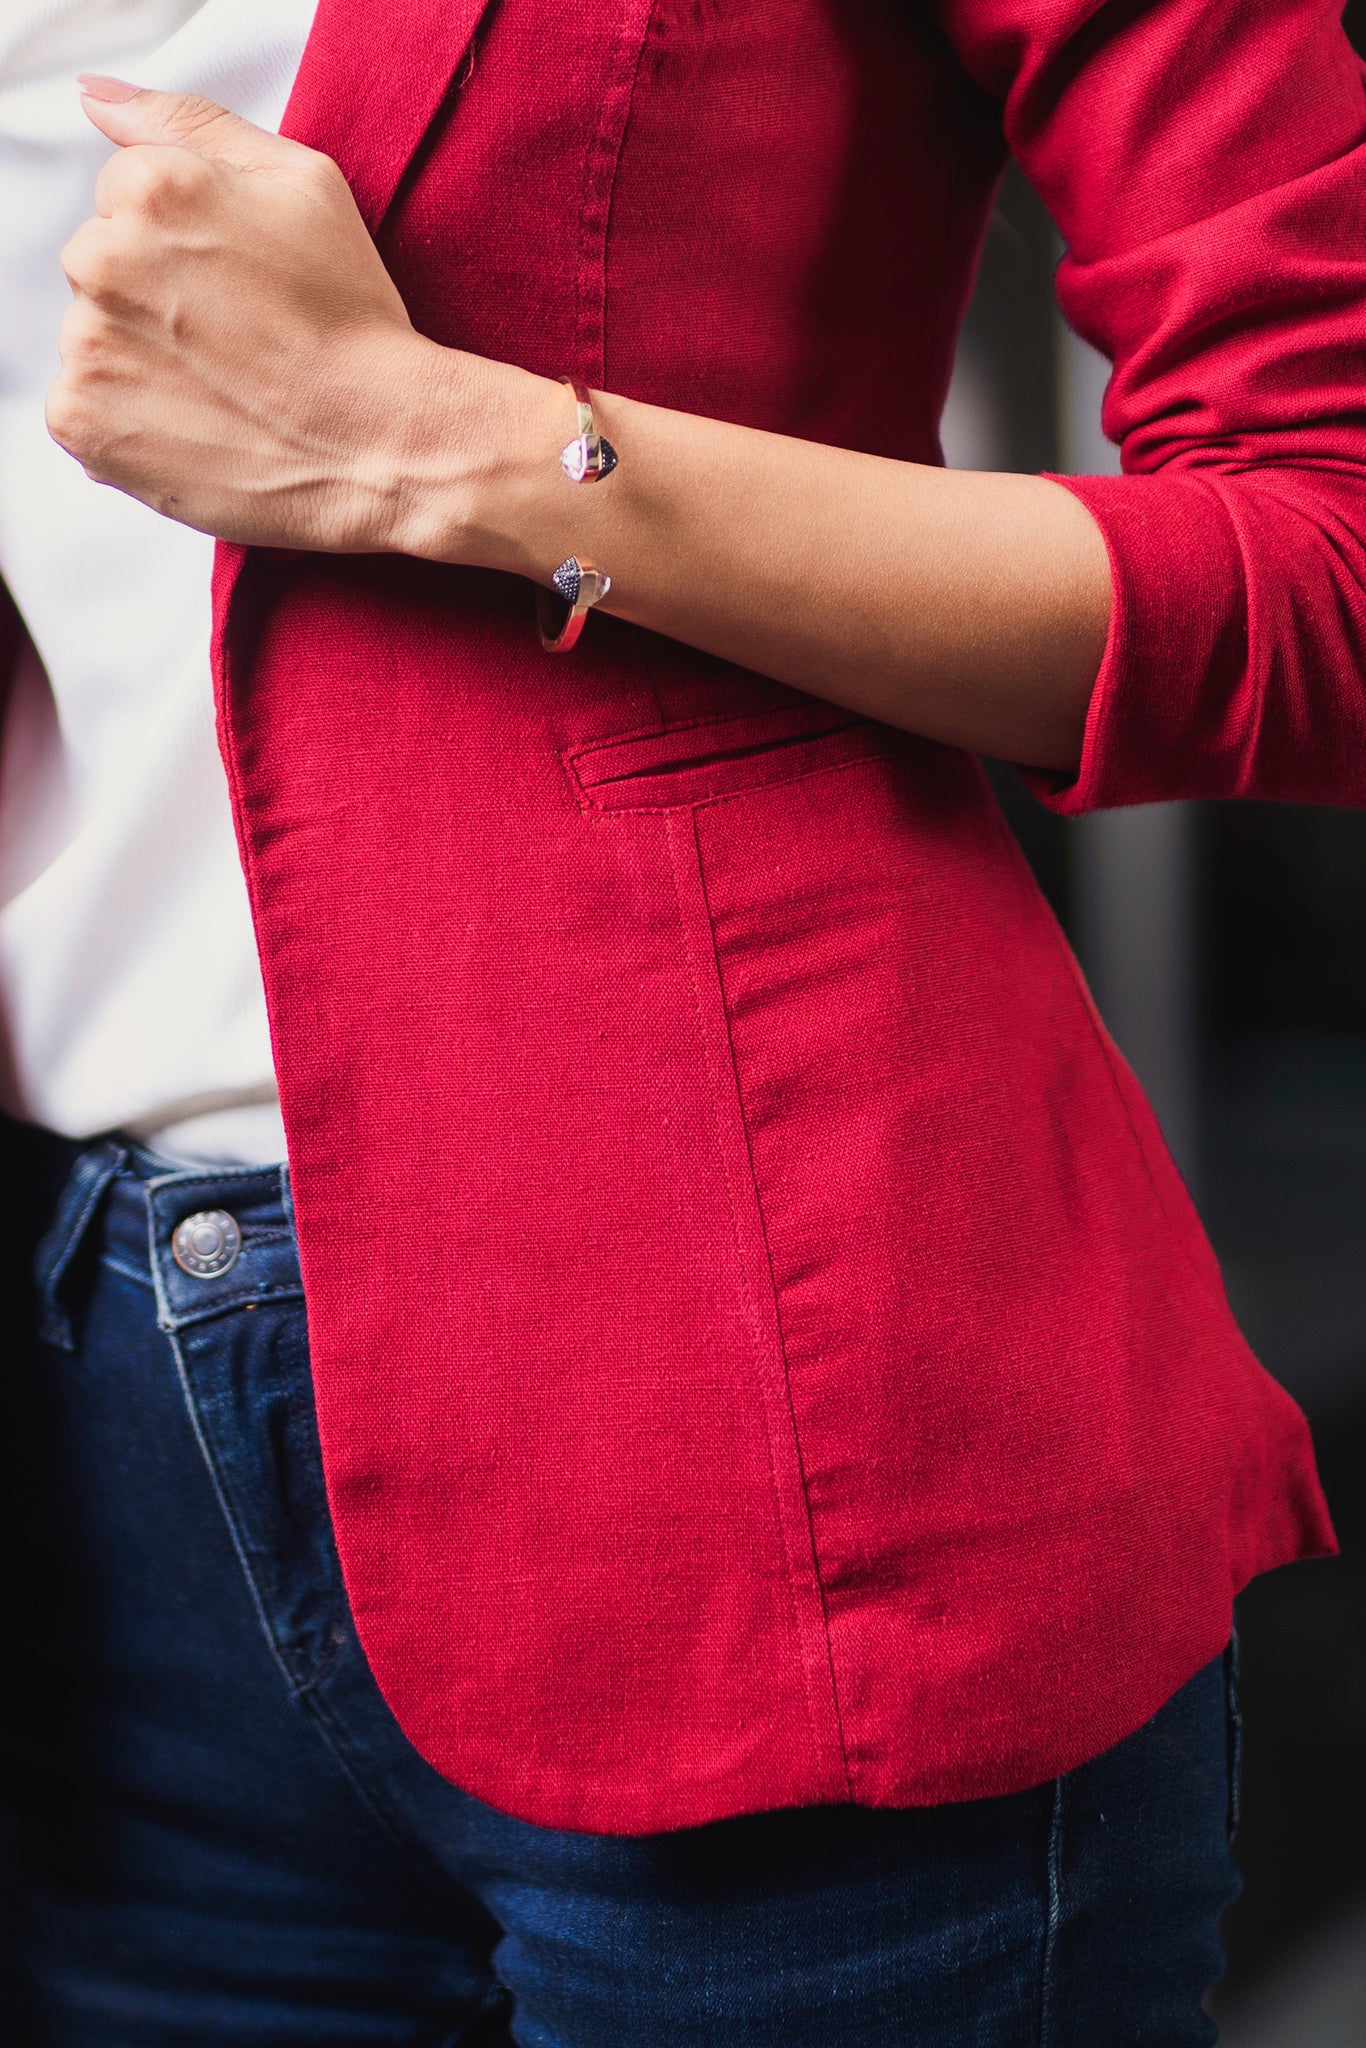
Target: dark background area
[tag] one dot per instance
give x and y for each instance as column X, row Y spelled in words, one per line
column 1278, row 1024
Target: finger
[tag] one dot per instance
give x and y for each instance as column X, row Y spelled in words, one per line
column 85, row 258
column 145, row 178
column 132, row 114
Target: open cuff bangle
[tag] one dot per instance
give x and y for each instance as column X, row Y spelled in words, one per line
column 585, row 460
column 577, row 584
column 588, row 457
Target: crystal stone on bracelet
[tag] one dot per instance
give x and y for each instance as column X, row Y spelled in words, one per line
column 587, row 459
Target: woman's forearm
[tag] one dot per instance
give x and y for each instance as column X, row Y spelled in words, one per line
column 967, row 607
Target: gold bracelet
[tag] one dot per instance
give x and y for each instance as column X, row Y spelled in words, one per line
column 587, row 458
column 581, row 585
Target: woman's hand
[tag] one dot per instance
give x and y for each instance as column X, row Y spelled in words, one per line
column 236, row 354
column 237, row 357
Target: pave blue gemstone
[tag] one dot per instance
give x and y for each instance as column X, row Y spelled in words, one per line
column 567, row 580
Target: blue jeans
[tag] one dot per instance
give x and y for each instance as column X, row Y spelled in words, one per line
column 218, row 1834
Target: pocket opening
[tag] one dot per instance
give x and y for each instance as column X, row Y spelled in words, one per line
column 659, row 770
column 680, row 764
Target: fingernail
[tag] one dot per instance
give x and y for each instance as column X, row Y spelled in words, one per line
column 96, row 87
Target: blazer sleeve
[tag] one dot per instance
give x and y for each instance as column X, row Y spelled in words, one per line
column 1205, row 161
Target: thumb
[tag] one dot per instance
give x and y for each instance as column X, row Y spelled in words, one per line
column 130, row 114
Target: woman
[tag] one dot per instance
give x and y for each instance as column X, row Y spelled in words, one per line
column 786, row 1446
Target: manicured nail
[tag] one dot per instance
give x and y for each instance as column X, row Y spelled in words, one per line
column 96, row 87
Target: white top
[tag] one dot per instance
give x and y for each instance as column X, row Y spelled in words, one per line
column 129, row 988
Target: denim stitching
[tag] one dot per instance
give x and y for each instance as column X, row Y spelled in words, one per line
column 63, row 1240
column 324, row 1723
column 331, row 1731
column 136, row 1273
column 1047, row 2016
column 305, row 1694
column 1235, row 1734
column 225, row 1502
column 207, row 1176
column 170, row 1319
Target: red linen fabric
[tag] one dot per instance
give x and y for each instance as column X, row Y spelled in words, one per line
column 764, row 1352
column 1207, row 168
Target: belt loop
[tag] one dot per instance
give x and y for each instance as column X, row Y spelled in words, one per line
column 76, row 1206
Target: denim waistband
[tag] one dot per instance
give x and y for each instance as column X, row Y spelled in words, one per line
column 123, row 1204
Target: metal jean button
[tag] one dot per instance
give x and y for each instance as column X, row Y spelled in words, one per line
column 207, row 1244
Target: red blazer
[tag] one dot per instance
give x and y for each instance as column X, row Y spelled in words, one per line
column 764, row 1352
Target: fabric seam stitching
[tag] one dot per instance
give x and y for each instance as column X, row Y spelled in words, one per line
column 596, row 194
column 751, row 1310
column 725, row 796
column 753, row 1185
column 639, row 734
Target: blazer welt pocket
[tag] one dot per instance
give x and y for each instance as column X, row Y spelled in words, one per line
column 692, row 764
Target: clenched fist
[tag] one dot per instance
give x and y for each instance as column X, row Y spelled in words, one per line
column 235, row 354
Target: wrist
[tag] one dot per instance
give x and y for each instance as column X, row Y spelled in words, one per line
column 478, row 447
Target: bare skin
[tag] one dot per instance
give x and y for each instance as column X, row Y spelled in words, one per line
column 237, row 357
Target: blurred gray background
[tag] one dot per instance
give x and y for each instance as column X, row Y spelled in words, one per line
column 1226, row 945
